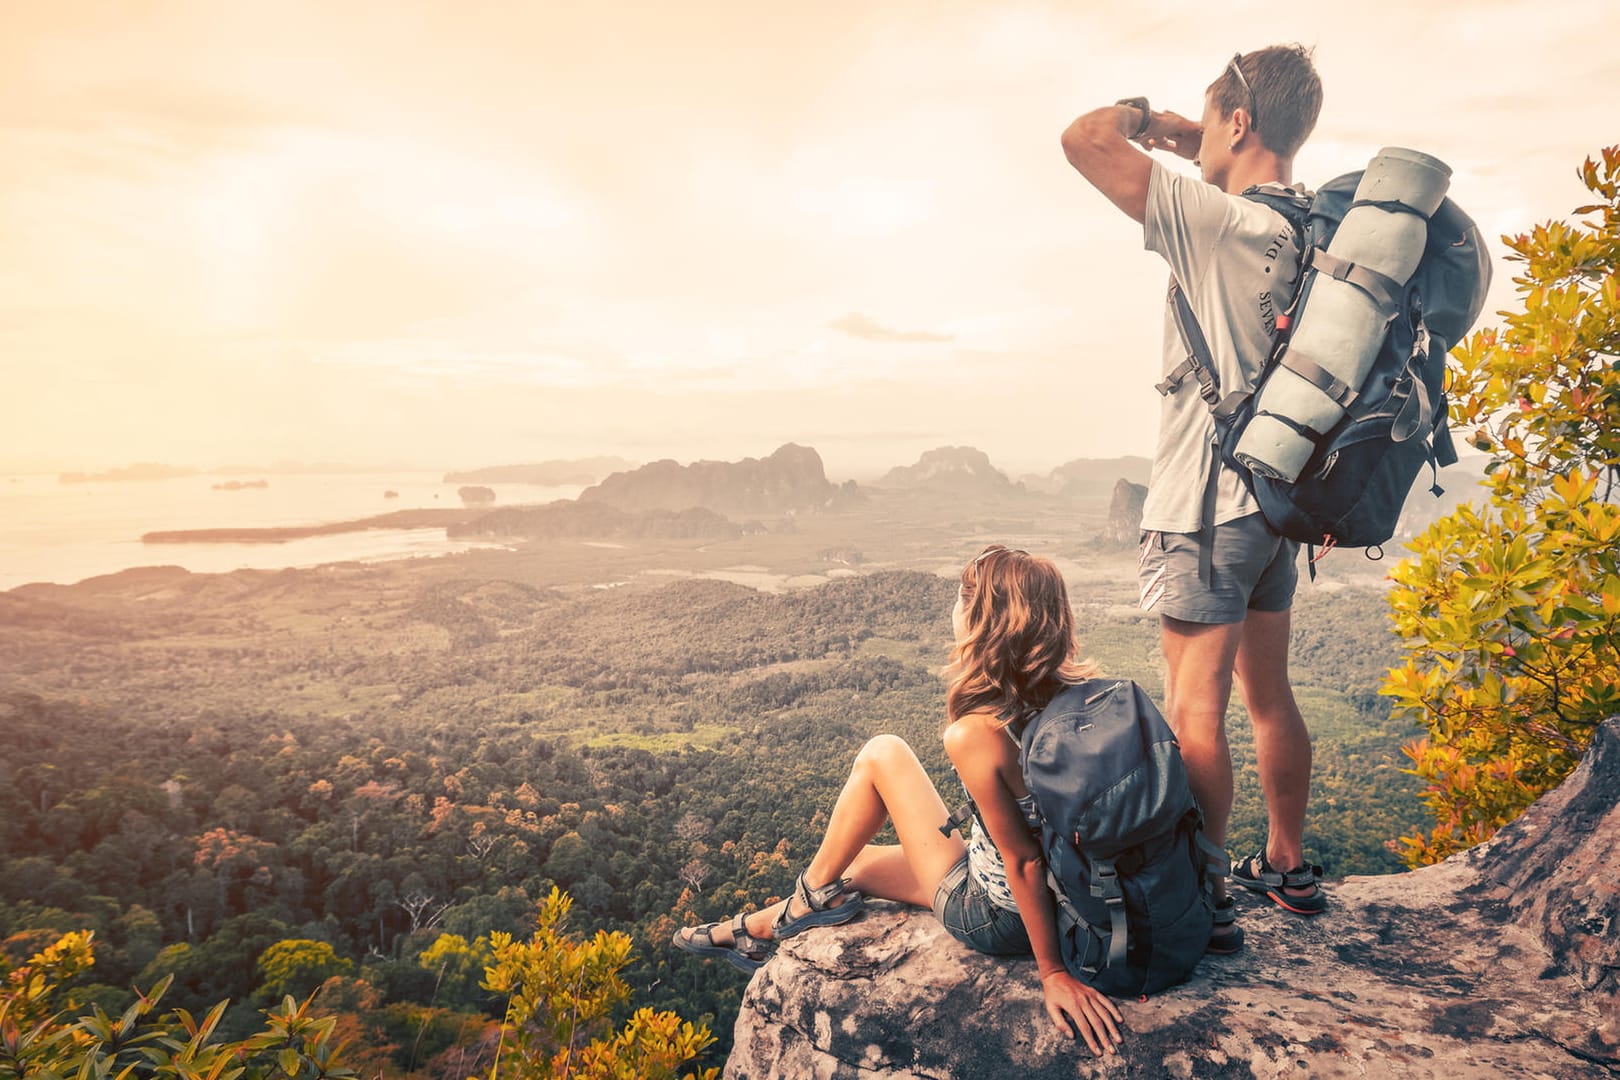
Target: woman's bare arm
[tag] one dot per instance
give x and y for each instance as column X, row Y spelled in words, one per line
column 983, row 756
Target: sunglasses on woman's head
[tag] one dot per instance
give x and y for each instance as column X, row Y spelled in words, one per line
column 998, row 550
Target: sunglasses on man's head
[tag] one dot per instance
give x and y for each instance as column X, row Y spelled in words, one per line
column 1237, row 69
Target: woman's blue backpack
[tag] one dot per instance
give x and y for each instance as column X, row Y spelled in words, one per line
column 1123, row 837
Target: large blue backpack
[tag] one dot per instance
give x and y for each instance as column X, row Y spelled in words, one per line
column 1352, row 489
column 1123, row 838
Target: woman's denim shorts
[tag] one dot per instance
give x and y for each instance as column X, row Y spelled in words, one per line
column 972, row 918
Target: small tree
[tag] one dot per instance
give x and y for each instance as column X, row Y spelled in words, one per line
column 561, row 994
column 1511, row 613
column 458, row 966
column 296, row 967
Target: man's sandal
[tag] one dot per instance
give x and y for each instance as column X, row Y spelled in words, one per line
column 1227, row 936
column 744, row 951
column 820, row 909
column 1257, row 875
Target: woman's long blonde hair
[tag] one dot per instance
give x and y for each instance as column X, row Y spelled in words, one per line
column 1019, row 648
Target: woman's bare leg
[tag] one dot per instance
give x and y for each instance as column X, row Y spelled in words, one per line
column 886, row 783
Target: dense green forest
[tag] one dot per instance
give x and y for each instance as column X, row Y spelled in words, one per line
column 261, row 781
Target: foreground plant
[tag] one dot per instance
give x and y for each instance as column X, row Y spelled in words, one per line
column 41, row 1040
column 561, row 996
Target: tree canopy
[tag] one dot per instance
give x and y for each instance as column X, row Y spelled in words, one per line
column 1510, row 611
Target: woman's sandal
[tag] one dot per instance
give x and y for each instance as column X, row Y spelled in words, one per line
column 1227, row 936
column 744, row 951
column 749, row 953
column 821, row 911
column 1257, row 875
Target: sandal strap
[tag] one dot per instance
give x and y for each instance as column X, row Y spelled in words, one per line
column 1301, row 876
column 814, row 899
column 744, row 942
column 1256, row 867
column 818, row 899
column 1225, row 912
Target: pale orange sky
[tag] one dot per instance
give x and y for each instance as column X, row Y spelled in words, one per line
column 466, row 234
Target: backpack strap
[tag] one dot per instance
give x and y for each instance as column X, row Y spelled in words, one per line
column 1295, row 208
column 1200, row 361
column 1416, row 413
column 1206, row 525
column 1105, row 886
column 959, row 817
column 1068, row 918
column 1217, row 863
column 1392, row 206
column 1340, row 392
column 1068, row 915
column 1218, row 858
column 1381, row 289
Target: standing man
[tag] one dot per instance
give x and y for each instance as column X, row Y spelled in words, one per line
column 1221, row 581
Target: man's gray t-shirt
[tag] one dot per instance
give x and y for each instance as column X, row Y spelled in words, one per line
column 1236, row 261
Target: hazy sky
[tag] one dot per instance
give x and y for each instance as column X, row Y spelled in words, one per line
column 469, row 233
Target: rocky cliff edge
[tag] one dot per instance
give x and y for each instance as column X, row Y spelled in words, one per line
column 1503, row 961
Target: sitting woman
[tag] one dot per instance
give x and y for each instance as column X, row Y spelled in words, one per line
column 1015, row 650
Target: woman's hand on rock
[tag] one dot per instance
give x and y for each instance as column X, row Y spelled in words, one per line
column 1076, row 1007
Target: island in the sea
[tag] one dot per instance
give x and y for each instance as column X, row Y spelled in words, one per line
column 139, row 472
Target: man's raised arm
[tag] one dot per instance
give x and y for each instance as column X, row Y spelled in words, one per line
column 1098, row 145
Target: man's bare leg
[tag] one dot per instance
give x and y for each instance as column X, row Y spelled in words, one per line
column 1199, row 658
column 1282, row 744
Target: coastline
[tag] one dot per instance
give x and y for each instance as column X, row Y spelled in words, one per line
column 281, row 534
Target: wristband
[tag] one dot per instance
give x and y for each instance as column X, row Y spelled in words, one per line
column 1140, row 103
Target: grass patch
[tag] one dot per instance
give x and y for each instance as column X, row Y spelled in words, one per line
column 896, row 649
column 705, row 737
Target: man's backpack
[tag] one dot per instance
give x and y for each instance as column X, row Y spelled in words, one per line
column 1123, row 838
column 1355, row 483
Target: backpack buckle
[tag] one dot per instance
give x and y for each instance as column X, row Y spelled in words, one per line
column 1105, row 884
column 1172, row 381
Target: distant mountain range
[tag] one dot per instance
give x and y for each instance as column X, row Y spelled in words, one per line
column 554, row 473
column 950, row 468
column 791, row 480
column 968, row 470
column 1090, row 477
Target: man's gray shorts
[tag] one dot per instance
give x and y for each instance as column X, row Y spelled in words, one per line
column 1253, row 570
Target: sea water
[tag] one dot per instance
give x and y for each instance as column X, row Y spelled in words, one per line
column 63, row 533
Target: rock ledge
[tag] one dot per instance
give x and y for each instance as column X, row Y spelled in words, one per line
column 1503, row 961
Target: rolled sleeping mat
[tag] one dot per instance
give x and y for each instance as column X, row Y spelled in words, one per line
column 1340, row 327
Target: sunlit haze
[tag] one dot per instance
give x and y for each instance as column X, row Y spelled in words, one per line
column 450, row 235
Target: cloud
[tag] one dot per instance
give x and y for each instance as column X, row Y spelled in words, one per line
column 868, row 329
